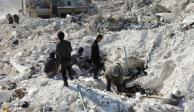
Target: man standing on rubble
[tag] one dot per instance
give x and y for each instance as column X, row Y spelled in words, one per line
column 63, row 51
column 95, row 56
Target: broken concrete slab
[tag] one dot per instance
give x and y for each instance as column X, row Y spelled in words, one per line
column 152, row 9
column 189, row 20
column 166, row 17
column 134, row 62
column 156, row 8
column 5, row 96
column 190, row 8
column 11, row 85
column 23, row 77
column 15, row 63
column 20, row 93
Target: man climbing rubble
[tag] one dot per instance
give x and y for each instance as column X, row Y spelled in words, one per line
column 51, row 65
column 63, row 50
column 95, row 56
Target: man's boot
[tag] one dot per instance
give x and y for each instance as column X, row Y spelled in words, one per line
column 71, row 77
column 65, row 83
column 108, row 88
column 96, row 77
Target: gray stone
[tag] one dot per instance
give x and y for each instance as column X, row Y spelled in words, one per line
column 5, row 96
column 44, row 83
column 156, row 8
column 134, row 62
column 11, row 85
column 189, row 8
column 23, row 77
column 189, row 20
column 20, row 93
column 166, row 17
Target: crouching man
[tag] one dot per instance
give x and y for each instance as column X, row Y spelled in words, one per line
column 114, row 75
column 51, row 65
column 77, row 62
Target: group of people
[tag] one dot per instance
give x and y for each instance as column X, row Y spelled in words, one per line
column 62, row 57
column 114, row 73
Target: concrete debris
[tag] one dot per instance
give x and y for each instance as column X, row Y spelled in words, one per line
column 5, row 96
column 166, row 17
column 15, row 42
column 20, row 93
column 188, row 21
column 15, row 63
column 190, row 8
column 134, row 62
column 152, row 41
column 10, row 85
column 2, row 76
column 156, row 8
column 150, row 108
column 44, row 83
column 23, row 77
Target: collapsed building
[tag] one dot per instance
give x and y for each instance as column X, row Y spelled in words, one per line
column 54, row 8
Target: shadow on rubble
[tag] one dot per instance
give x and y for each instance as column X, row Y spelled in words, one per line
column 101, row 99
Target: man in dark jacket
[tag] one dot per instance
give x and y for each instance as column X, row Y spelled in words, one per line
column 95, row 56
column 63, row 50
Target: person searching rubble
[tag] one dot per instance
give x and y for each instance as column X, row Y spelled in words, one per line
column 63, row 51
column 80, row 63
column 77, row 57
column 97, row 60
column 115, row 75
column 77, row 62
column 51, row 65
